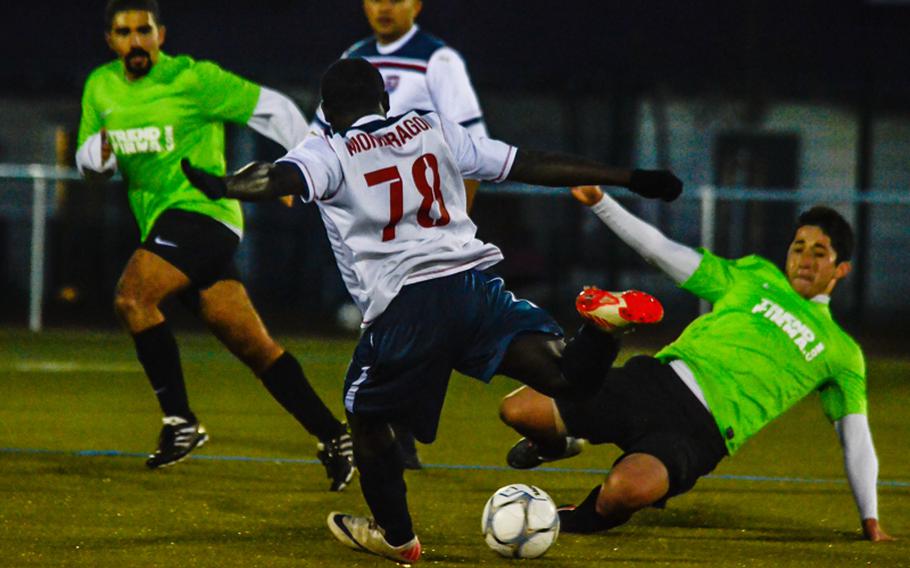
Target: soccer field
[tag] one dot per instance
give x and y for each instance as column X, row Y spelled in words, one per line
column 77, row 417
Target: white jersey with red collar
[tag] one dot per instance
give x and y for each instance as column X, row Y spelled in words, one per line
column 391, row 195
column 420, row 72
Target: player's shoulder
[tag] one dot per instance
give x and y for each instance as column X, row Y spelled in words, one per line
column 180, row 64
column 105, row 72
column 753, row 262
column 421, row 46
column 363, row 48
column 760, row 266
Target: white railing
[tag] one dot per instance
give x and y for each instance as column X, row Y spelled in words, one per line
column 707, row 195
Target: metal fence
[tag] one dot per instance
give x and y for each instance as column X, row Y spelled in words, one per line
column 551, row 245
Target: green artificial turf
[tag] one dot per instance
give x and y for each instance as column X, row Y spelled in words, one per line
column 69, row 391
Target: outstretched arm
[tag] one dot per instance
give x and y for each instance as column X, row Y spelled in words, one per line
column 861, row 465
column 555, row 169
column 256, row 181
column 675, row 259
column 277, row 117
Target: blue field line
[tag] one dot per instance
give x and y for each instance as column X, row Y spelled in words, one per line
column 443, row 466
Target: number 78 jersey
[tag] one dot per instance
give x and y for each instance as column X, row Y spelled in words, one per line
column 391, row 195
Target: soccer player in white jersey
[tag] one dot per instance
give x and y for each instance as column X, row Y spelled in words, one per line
column 421, row 72
column 768, row 342
column 390, row 193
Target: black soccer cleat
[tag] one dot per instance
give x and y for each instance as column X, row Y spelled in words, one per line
column 177, row 439
column 525, row 454
column 337, row 455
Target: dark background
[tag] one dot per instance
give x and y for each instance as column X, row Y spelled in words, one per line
column 847, row 51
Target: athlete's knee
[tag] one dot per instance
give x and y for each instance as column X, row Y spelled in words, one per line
column 371, row 438
column 259, row 355
column 512, row 411
column 129, row 304
column 622, row 492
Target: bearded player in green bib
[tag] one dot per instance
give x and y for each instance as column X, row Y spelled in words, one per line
column 142, row 114
column 769, row 342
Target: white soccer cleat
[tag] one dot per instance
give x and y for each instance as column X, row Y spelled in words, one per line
column 362, row 533
column 611, row 311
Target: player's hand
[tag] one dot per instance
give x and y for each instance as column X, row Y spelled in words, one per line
column 655, row 184
column 211, row 185
column 874, row 532
column 588, row 195
column 105, row 146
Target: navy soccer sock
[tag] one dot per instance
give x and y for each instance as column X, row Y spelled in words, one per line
column 159, row 355
column 584, row 518
column 383, row 487
column 287, row 383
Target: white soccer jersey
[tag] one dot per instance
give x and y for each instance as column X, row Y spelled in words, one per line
column 391, row 195
column 421, row 73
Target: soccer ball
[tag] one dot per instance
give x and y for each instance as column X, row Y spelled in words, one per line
column 520, row 521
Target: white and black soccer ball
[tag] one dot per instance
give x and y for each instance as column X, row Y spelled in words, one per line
column 520, row 521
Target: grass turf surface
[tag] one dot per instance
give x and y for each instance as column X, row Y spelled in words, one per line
column 68, row 391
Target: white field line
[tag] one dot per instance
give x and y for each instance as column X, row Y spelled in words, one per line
column 70, row 367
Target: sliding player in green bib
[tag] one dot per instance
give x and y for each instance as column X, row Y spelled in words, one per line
column 769, row 342
column 142, row 114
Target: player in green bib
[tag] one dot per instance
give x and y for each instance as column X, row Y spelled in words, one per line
column 769, row 342
column 141, row 114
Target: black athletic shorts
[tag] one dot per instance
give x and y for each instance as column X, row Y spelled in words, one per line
column 644, row 407
column 199, row 246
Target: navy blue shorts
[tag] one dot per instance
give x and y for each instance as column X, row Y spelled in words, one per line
column 401, row 367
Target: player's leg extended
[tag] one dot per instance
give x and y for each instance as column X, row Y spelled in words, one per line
column 576, row 368
column 636, row 482
column 227, row 310
column 534, row 416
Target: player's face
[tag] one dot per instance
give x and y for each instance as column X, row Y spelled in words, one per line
column 136, row 38
column 811, row 265
column 391, row 19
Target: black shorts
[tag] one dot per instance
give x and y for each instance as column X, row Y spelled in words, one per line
column 644, row 407
column 199, row 246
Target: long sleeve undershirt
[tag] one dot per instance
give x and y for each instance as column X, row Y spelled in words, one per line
column 678, row 261
column 277, row 117
column 860, row 462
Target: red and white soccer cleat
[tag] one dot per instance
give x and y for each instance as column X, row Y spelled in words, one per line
column 615, row 310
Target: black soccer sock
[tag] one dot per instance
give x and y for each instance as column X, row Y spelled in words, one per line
column 160, row 357
column 289, row 386
column 588, row 358
column 584, row 519
column 383, row 487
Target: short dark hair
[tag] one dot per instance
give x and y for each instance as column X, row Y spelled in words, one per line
column 832, row 224
column 351, row 85
column 114, row 6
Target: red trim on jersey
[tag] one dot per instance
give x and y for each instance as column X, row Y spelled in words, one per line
column 396, row 65
column 502, row 172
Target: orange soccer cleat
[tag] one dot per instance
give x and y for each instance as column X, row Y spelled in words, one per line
column 611, row 311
